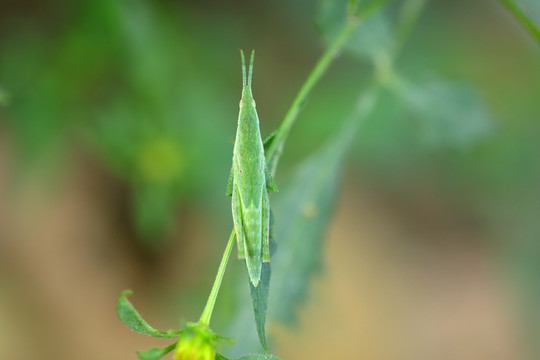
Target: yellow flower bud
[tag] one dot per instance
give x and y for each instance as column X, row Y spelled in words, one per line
column 195, row 343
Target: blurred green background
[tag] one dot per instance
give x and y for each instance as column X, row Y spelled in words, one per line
column 117, row 122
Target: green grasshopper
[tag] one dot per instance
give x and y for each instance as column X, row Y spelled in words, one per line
column 249, row 183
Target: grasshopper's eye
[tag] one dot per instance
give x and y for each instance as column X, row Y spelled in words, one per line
column 241, row 103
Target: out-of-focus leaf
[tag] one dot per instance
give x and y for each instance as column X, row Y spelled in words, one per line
column 129, row 316
column 50, row 80
column 155, row 353
column 302, row 210
column 151, row 125
column 449, row 114
column 373, row 35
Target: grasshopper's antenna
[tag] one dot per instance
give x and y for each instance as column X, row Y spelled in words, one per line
column 251, row 67
column 243, row 67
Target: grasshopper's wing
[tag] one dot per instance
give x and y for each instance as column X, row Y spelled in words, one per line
column 265, row 227
column 238, row 222
column 270, row 182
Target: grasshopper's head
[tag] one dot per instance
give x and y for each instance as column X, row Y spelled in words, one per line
column 246, row 81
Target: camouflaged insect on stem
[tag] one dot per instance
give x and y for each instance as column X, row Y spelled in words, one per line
column 248, row 184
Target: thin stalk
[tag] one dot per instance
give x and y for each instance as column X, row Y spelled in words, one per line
column 275, row 150
column 207, row 312
column 520, row 15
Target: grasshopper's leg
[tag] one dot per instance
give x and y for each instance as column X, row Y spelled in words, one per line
column 238, row 222
column 268, row 140
column 230, row 182
column 265, row 227
column 270, row 182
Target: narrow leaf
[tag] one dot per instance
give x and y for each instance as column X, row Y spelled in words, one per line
column 259, row 299
column 155, row 353
column 129, row 316
column 259, row 294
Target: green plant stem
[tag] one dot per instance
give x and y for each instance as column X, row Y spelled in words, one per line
column 207, row 312
column 276, row 149
column 527, row 23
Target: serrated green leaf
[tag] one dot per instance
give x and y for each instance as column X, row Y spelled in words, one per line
column 371, row 37
column 155, row 353
column 302, row 210
column 449, row 114
column 129, row 316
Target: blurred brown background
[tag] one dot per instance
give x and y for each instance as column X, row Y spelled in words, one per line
column 116, row 130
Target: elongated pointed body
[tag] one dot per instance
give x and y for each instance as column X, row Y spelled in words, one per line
column 248, row 184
